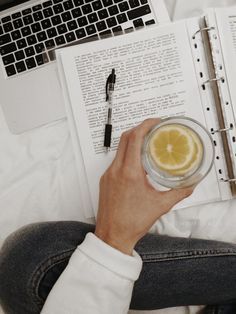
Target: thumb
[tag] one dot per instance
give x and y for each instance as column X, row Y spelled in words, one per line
column 176, row 195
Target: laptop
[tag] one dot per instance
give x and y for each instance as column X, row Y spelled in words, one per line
column 30, row 31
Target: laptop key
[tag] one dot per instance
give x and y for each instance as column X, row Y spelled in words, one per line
column 1, row 30
column 86, row 8
column 123, row 6
column 16, row 34
column 38, row 16
column 8, row 59
column 72, row 25
column 68, row 5
column 144, row 1
column 101, row 26
column 93, row 17
column 97, row 5
column 116, row 30
column 39, row 47
column 41, row 59
column 26, row 11
column 57, row 1
column 21, row 43
column 61, row 29
column 90, row 29
column 122, row 18
column 103, row 14
column 47, row 12
column 50, row 44
column 60, row 40
column 70, row 37
column 107, row 3
column 41, row 36
column 19, row 55
column 58, row 8
column 66, row 16
column 78, row 3
column 138, row 12
column 46, row 24
column 56, row 20
column 111, row 22
column 37, row 7
column 113, row 10
column 30, row 63
column 6, row 19
column 117, row 1
column 36, row 27
column 134, row 3
column 82, row 21
column 6, row 49
column 76, row 12
column 18, row 23
column 106, row 33
column 4, row 39
column 20, row 66
column 8, row 27
column 52, row 32
column 16, row 15
column 138, row 23
column 47, row 4
column 80, row 33
column 29, row 51
column 10, row 70
column 25, row 31
column 150, row 22
column 28, row 19
column 31, row 40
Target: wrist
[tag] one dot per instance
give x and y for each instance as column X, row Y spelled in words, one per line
column 116, row 242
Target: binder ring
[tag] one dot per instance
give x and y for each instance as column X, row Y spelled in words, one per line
column 228, row 180
column 221, row 130
column 205, row 29
column 214, row 79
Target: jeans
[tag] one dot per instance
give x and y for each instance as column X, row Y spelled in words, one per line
column 176, row 271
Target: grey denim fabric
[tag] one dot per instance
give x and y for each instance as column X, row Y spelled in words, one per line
column 176, row 271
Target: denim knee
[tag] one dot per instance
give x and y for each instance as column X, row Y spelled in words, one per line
column 26, row 257
column 16, row 268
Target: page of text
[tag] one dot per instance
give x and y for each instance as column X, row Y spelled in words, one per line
column 155, row 78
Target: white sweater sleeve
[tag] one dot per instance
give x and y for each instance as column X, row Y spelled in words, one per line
column 97, row 280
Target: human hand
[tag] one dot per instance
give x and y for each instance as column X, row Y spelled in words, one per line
column 128, row 204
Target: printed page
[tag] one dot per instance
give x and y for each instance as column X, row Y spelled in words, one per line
column 155, row 78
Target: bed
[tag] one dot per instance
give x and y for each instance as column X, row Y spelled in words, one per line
column 38, row 179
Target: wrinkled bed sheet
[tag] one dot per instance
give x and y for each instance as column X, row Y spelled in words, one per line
column 38, row 179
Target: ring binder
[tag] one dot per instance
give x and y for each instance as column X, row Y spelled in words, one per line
column 214, row 79
column 221, row 130
column 203, row 30
column 229, row 180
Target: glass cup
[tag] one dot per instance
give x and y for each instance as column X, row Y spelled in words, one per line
column 201, row 153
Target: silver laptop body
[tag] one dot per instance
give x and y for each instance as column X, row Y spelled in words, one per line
column 30, row 94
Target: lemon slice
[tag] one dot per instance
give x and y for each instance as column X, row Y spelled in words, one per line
column 175, row 149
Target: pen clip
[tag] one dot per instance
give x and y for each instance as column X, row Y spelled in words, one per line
column 110, row 80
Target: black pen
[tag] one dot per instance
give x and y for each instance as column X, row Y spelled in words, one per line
column 110, row 84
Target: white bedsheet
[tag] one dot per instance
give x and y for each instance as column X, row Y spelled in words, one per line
column 38, row 180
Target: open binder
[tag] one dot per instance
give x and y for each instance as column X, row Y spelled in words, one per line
column 209, row 36
column 183, row 68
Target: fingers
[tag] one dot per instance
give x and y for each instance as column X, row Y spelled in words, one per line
column 176, row 195
column 135, row 142
column 120, row 154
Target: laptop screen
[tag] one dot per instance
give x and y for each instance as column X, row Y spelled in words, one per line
column 5, row 4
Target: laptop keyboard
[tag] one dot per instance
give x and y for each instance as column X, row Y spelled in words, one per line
column 29, row 37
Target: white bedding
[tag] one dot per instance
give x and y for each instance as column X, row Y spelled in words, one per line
column 38, row 180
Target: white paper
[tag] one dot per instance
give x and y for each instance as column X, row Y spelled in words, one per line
column 165, row 85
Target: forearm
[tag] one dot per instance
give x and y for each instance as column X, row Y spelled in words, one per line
column 97, row 277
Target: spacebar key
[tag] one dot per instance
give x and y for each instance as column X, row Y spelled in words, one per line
column 141, row 11
column 7, row 49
